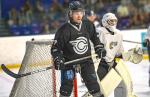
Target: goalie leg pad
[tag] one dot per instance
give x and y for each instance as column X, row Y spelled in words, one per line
column 125, row 75
column 120, row 90
column 113, row 79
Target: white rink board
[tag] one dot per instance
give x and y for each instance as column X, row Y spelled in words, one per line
column 12, row 49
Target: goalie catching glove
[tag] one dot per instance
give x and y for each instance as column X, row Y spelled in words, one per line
column 134, row 55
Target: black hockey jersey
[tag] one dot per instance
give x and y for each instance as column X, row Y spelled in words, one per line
column 74, row 43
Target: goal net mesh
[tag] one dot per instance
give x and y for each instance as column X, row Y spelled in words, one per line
column 42, row 84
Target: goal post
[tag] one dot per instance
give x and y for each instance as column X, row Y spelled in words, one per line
column 42, row 84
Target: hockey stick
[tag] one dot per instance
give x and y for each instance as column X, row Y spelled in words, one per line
column 132, row 41
column 14, row 75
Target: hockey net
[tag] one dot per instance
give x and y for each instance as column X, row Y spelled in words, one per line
column 42, row 84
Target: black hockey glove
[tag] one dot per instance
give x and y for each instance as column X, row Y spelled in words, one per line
column 146, row 42
column 100, row 50
column 59, row 63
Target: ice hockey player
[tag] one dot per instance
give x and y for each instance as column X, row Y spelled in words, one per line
column 92, row 17
column 72, row 42
column 147, row 44
column 112, row 39
column 147, row 38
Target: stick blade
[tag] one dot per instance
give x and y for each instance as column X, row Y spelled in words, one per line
column 10, row 73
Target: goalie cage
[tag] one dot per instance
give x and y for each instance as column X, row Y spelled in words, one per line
column 42, row 84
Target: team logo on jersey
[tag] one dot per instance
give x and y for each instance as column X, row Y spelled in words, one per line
column 112, row 45
column 80, row 45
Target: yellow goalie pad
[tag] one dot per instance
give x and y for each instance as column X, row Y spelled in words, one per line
column 122, row 70
column 114, row 77
column 110, row 82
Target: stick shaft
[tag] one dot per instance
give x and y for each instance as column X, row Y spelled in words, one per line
column 132, row 41
column 14, row 75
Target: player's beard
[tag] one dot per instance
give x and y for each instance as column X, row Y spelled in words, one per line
column 76, row 22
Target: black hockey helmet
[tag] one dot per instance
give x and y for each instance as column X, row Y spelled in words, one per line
column 75, row 5
column 90, row 12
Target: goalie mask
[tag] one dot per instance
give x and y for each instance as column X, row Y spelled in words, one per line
column 109, row 21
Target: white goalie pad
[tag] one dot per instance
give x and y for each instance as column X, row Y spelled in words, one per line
column 125, row 75
column 134, row 55
column 110, row 82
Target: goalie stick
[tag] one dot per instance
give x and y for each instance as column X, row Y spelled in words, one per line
column 14, row 75
column 132, row 41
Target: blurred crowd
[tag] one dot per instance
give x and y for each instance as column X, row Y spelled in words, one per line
column 42, row 18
